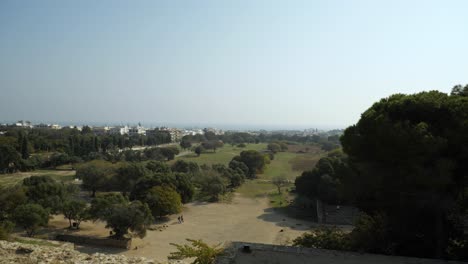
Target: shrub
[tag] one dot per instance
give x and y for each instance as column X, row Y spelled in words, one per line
column 5, row 229
column 324, row 237
column 202, row 252
column 31, row 217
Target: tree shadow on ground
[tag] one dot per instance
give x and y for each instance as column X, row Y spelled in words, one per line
column 280, row 217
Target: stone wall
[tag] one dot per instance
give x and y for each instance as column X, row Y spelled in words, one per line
column 96, row 241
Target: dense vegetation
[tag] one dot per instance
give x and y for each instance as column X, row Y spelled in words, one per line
column 405, row 168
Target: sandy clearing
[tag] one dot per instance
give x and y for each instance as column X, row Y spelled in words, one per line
column 245, row 219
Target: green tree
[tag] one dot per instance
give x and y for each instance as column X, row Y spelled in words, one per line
column 31, row 217
column 46, row 192
column 274, row 147
column 10, row 199
column 254, row 160
column 185, row 144
column 238, row 165
column 128, row 174
column 185, row 167
column 75, row 211
column 211, row 184
column 25, row 147
column 279, row 182
column 199, row 150
column 133, row 218
column 9, row 159
column 202, row 252
column 95, row 175
column 460, row 90
column 158, row 167
column 163, row 200
column 410, row 155
column 101, row 206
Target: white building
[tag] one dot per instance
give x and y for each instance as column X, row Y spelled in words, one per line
column 137, row 130
column 119, row 130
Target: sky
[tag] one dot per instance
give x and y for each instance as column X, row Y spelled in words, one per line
column 245, row 63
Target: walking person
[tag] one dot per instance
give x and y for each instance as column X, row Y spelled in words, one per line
column 182, row 218
column 178, row 218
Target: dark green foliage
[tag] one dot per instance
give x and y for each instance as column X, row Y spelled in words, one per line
column 198, row 150
column 128, row 174
column 460, row 90
column 75, row 211
column 211, row 184
column 326, row 180
column 185, row 167
column 6, row 227
column 324, row 237
column 158, row 167
column 185, row 144
column 101, row 206
column 9, row 159
column 95, row 175
column 235, row 177
column 10, row 199
column 184, row 187
column 254, row 160
column 121, row 215
column 370, row 234
column 212, row 144
column 169, row 152
column 31, row 217
column 46, row 192
column 238, row 165
column 410, row 154
column 163, row 200
column 134, row 218
column 274, row 147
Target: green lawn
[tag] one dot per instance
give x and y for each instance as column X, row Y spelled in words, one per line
column 9, row 180
column 222, row 155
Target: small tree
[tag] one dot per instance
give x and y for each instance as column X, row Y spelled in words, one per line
column 163, row 200
column 31, row 217
column 134, row 217
column 274, row 147
column 198, row 150
column 212, row 185
column 185, row 144
column 94, row 175
column 75, row 211
column 279, row 182
column 202, row 252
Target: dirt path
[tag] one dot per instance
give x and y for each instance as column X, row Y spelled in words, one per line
column 245, row 219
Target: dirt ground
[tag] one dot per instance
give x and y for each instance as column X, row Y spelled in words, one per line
column 244, row 219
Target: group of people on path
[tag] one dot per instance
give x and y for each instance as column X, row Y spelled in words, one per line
column 181, row 219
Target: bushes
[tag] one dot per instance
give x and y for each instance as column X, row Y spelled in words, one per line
column 31, row 217
column 202, row 252
column 324, row 237
column 368, row 235
column 5, row 229
column 163, row 200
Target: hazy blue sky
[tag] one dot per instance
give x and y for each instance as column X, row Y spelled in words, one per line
column 258, row 63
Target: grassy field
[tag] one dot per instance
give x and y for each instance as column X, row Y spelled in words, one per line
column 222, row 155
column 9, row 180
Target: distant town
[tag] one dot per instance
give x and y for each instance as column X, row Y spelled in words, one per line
column 175, row 133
